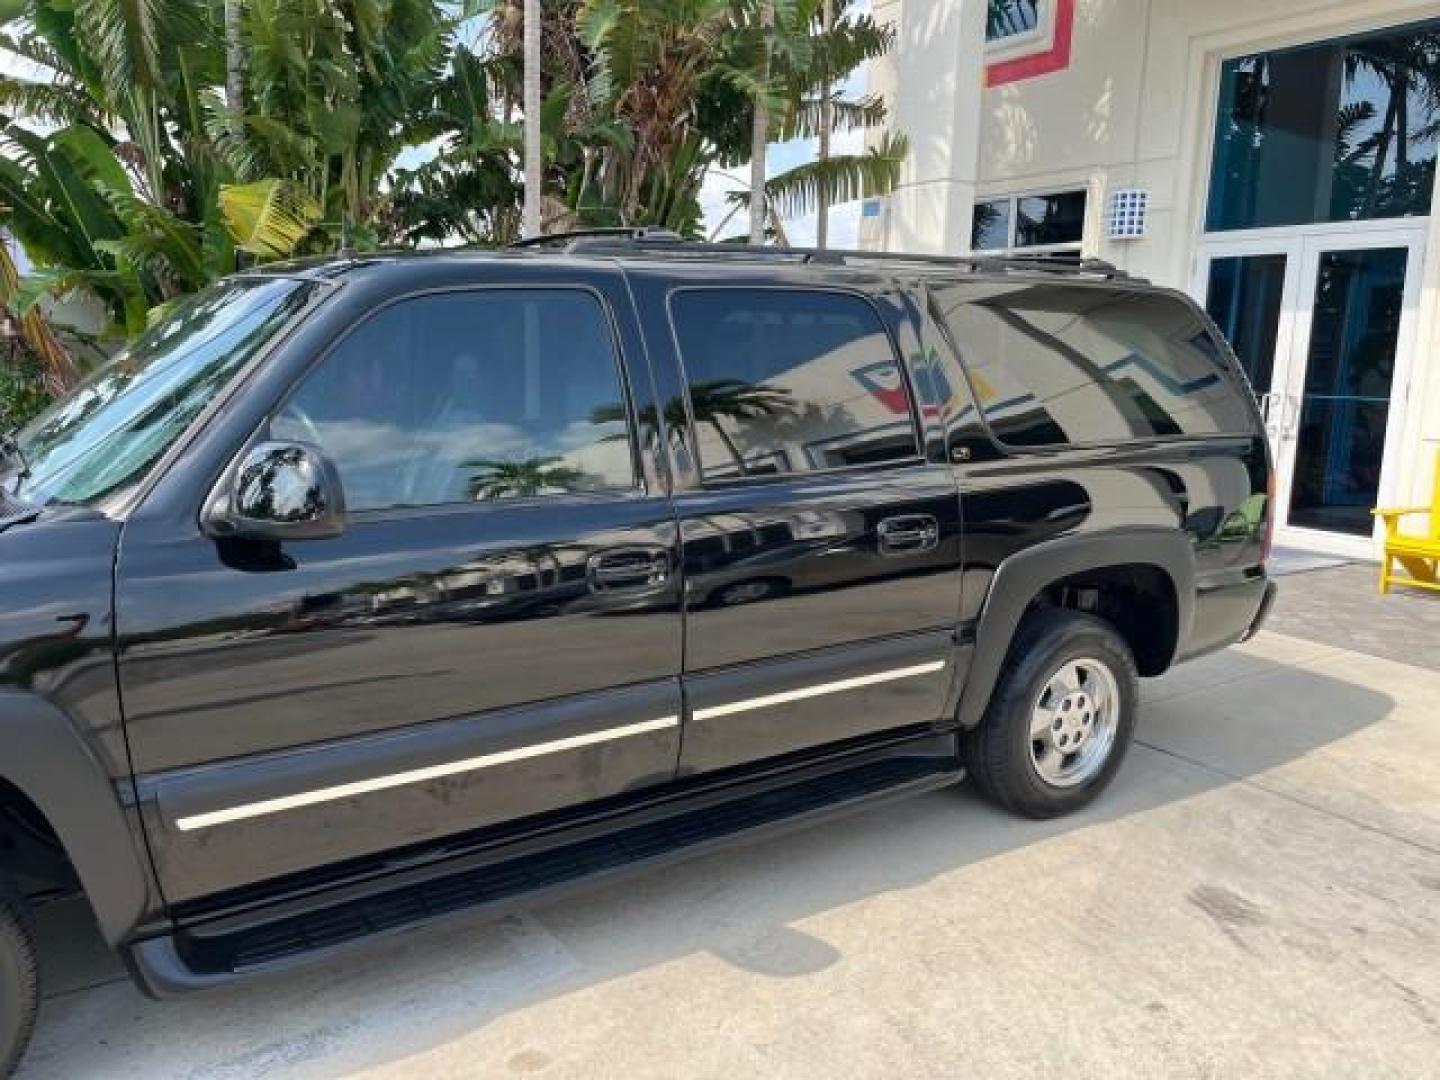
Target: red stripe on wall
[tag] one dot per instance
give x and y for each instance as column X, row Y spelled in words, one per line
column 1057, row 58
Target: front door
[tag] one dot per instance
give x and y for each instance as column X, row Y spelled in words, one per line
column 496, row 634
column 1324, row 324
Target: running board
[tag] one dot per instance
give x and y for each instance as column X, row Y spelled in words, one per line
column 199, row 957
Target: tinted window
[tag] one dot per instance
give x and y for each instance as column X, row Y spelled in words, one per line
column 991, row 229
column 473, row 396
column 1244, row 298
column 1007, row 18
column 1047, row 220
column 1029, row 221
column 1053, row 365
column 788, row 381
column 1341, row 131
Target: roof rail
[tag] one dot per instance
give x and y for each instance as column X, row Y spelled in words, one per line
column 566, row 239
column 664, row 243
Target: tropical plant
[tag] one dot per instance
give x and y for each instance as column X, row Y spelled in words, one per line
column 647, row 62
column 155, row 181
column 180, row 139
column 469, row 188
column 807, row 52
column 41, row 359
column 23, row 393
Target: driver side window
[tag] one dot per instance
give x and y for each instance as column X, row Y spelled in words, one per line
column 469, row 397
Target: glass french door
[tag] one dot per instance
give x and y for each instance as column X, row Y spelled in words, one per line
column 1324, row 324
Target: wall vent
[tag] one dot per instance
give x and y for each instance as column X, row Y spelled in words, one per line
column 1129, row 209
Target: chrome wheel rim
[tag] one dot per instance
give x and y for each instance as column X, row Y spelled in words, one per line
column 1073, row 723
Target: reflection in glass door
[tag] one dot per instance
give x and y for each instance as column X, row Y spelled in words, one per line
column 1244, row 296
column 1345, row 402
column 1322, row 325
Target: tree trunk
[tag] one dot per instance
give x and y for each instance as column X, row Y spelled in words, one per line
column 533, row 166
column 234, row 58
column 760, row 136
column 1382, row 153
column 822, row 222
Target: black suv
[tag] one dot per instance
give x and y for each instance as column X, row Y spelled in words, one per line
column 365, row 591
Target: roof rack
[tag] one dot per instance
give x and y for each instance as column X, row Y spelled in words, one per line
column 664, row 243
column 565, row 239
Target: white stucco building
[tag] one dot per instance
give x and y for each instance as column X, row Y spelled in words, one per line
column 1274, row 158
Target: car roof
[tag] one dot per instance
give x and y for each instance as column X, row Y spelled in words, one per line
column 658, row 249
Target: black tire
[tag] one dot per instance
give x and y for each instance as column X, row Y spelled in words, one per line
column 998, row 752
column 19, row 983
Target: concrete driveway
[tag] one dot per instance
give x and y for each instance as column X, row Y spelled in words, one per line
column 1258, row 895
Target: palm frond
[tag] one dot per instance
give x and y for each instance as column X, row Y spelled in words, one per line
column 806, row 117
column 48, row 102
column 124, row 36
column 268, row 218
column 55, row 360
column 843, row 179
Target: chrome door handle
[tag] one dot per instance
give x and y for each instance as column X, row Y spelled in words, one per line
column 907, row 534
column 628, row 569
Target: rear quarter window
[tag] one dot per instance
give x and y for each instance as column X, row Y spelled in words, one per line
column 1056, row 365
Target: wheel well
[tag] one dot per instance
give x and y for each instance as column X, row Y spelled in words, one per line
column 30, row 851
column 1137, row 599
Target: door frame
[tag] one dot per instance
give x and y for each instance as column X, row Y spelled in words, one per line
column 1282, row 401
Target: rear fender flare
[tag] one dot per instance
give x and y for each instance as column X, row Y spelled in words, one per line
column 1022, row 577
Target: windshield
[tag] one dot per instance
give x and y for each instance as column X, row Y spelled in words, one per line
column 105, row 435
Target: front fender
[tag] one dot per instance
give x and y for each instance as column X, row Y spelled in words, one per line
column 1022, row 576
column 43, row 755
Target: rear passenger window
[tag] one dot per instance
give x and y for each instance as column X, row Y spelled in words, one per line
column 786, row 381
column 1061, row 364
column 470, row 397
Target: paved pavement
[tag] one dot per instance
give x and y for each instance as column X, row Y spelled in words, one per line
column 1343, row 606
column 1257, row 896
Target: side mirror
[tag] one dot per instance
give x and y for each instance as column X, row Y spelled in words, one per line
column 280, row 491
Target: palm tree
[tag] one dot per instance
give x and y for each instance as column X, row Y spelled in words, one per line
column 760, row 126
column 649, row 62
column 469, row 189
column 520, row 479
column 827, row 124
column 808, row 55
column 532, row 118
column 234, row 58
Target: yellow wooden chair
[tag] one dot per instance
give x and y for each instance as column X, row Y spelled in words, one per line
column 1419, row 555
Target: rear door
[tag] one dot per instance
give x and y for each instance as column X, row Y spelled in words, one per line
column 495, row 636
column 821, row 544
